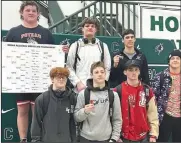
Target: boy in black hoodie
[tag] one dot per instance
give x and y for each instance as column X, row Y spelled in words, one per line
column 53, row 115
column 129, row 52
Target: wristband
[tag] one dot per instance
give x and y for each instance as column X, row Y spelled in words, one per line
column 154, row 137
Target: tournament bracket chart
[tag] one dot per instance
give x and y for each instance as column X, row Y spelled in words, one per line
column 26, row 67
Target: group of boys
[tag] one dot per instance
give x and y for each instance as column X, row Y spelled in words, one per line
column 132, row 111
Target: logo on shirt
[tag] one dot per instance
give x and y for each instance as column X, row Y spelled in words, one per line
column 31, row 40
column 67, row 110
column 142, row 101
column 132, row 100
column 138, row 57
column 100, row 101
column 31, row 37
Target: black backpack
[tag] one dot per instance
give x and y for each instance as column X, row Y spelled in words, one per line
column 77, row 56
column 87, row 101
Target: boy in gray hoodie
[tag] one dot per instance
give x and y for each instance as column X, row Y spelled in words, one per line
column 95, row 116
column 53, row 119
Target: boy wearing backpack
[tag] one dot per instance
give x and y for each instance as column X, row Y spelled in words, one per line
column 98, row 109
column 167, row 88
column 139, row 110
column 84, row 52
column 53, row 119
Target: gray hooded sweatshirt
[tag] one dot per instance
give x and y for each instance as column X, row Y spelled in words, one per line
column 57, row 123
column 97, row 125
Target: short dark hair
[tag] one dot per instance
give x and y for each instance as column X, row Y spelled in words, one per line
column 127, row 31
column 95, row 65
column 26, row 3
column 90, row 20
column 59, row 71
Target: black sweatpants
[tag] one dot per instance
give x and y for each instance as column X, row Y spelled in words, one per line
column 170, row 128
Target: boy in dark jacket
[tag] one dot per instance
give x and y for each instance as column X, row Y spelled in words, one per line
column 128, row 52
column 53, row 116
column 167, row 90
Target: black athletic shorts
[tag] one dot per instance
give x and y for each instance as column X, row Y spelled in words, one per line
column 26, row 98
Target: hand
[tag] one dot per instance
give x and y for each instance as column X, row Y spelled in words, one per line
column 65, row 48
column 80, row 86
column 152, row 139
column 88, row 108
column 116, row 60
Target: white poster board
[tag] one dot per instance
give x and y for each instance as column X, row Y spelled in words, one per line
column 26, row 67
column 161, row 23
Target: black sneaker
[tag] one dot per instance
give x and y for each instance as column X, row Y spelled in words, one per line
column 23, row 140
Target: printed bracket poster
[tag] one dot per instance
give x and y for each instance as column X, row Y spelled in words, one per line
column 26, row 67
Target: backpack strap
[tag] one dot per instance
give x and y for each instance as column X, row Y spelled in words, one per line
column 102, row 49
column 46, row 100
column 119, row 91
column 87, row 96
column 80, row 124
column 72, row 123
column 73, row 101
column 76, row 56
column 111, row 102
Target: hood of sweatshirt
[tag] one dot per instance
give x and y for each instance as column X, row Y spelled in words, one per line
column 60, row 93
column 90, row 86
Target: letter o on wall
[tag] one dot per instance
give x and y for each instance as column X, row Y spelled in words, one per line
column 176, row 24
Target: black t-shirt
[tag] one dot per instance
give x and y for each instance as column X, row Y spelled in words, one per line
column 37, row 35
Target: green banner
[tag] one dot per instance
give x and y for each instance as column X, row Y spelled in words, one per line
column 9, row 131
column 156, row 51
